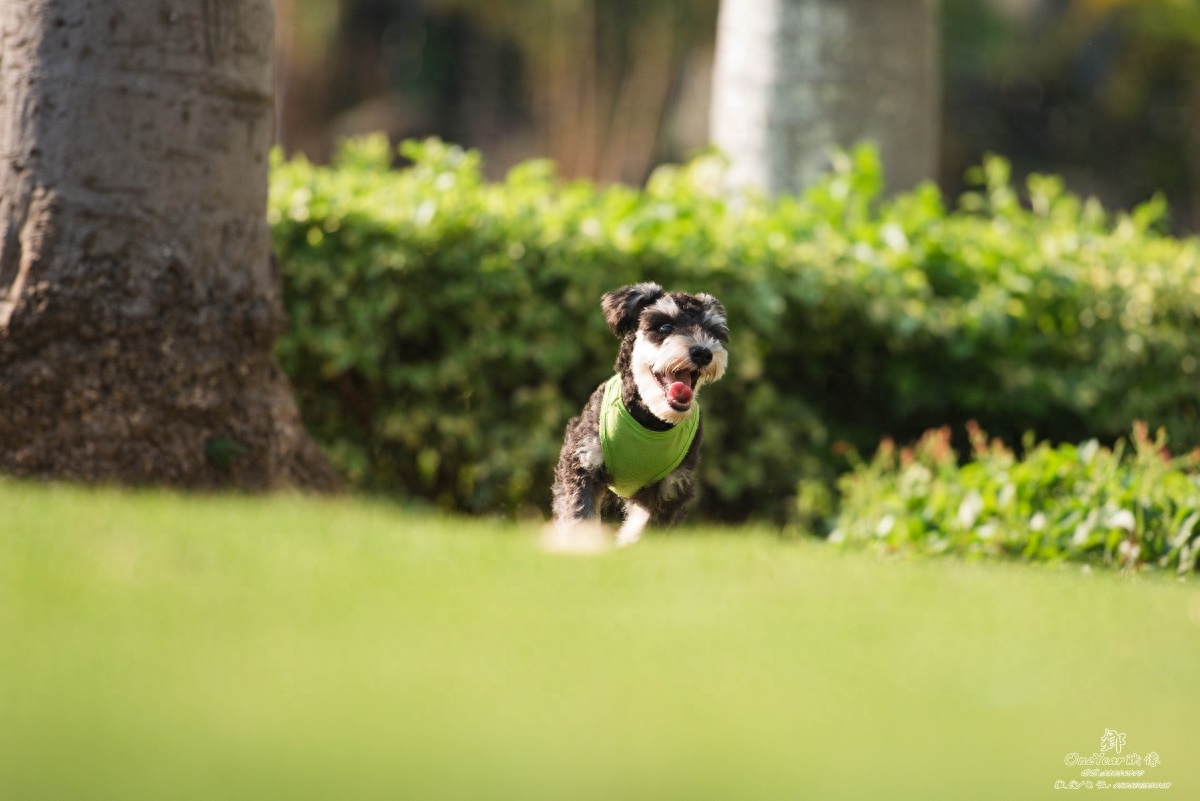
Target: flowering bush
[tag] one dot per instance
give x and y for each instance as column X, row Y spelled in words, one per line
column 1127, row 505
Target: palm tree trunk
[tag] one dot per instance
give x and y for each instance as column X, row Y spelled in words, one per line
column 795, row 78
column 138, row 301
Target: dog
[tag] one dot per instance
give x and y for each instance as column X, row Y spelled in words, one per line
column 636, row 444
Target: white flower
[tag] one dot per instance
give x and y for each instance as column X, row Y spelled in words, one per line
column 885, row 526
column 1037, row 522
column 1122, row 518
column 894, row 238
column 424, row 213
column 969, row 509
column 1129, row 550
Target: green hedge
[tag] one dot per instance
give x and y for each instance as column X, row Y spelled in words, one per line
column 1123, row 507
column 444, row 328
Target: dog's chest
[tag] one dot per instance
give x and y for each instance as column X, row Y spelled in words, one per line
column 634, row 456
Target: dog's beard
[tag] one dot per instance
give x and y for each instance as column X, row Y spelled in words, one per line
column 654, row 366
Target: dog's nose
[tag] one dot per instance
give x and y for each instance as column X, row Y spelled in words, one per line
column 701, row 356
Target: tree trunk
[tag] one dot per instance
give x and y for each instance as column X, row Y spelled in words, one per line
column 138, row 299
column 795, row 78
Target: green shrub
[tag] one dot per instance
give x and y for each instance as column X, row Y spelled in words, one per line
column 444, row 328
column 1084, row 503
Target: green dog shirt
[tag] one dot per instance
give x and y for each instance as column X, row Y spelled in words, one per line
column 635, row 456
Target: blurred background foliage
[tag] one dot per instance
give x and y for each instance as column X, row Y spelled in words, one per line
column 1105, row 93
column 444, row 316
column 444, row 327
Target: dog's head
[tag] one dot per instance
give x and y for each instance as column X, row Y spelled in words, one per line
column 673, row 343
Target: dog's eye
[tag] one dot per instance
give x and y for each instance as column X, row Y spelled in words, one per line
column 666, row 328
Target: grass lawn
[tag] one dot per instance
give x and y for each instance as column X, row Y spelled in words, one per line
column 157, row 647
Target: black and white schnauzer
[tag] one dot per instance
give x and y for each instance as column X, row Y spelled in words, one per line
column 636, row 444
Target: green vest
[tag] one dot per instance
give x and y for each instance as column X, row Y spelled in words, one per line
column 635, row 456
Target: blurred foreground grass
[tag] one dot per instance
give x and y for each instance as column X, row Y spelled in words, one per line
column 157, row 647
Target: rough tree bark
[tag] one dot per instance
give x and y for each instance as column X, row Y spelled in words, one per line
column 138, row 301
column 795, row 78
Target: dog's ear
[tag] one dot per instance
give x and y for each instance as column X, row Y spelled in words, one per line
column 623, row 306
column 714, row 316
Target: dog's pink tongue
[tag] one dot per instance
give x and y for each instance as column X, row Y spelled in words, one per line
column 680, row 392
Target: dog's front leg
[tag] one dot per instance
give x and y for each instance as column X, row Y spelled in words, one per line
column 579, row 483
column 578, row 480
column 636, row 517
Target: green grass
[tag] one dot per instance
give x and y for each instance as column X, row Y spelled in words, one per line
column 156, row 647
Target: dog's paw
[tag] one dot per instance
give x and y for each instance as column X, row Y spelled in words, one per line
column 636, row 518
column 575, row 536
column 627, row 538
